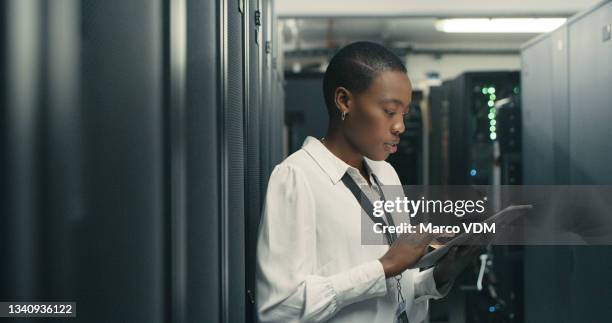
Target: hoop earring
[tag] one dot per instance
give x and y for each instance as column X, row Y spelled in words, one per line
column 344, row 115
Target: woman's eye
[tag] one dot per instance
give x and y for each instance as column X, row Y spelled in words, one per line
column 389, row 112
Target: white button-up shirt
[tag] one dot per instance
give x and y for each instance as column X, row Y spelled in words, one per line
column 311, row 265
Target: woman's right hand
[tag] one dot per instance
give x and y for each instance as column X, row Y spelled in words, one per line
column 407, row 249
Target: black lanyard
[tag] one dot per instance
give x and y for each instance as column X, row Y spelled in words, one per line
column 367, row 206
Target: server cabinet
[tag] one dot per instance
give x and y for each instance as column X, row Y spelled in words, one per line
column 538, row 140
column 253, row 108
column 465, row 119
column 271, row 118
column 559, row 83
column 545, row 96
column 509, row 138
column 439, row 99
column 279, row 135
column 566, row 102
column 544, row 289
column 590, row 58
column 119, row 124
column 590, row 76
column 267, row 90
column 408, row 160
column 435, row 135
column 130, row 134
column 272, row 90
column 203, row 111
column 85, row 172
column 233, row 290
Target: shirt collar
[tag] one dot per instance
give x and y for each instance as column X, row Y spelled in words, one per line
column 333, row 166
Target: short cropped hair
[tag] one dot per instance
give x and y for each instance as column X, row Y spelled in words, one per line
column 354, row 67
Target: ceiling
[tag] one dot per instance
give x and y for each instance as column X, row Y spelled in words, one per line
column 303, row 33
column 313, row 29
column 428, row 8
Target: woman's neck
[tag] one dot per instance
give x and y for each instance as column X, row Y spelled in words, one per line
column 341, row 148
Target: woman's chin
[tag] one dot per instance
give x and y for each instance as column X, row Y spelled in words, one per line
column 380, row 156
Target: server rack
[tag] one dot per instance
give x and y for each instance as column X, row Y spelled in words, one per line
column 86, row 171
column 253, row 108
column 467, row 121
column 439, row 134
column 464, row 122
column 273, row 94
column 233, row 291
column 566, row 111
column 130, row 148
column 202, row 132
column 509, row 138
column 538, row 132
column 408, row 160
column 590, row 56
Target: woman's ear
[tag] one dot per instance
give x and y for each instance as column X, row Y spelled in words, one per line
column 343, row 99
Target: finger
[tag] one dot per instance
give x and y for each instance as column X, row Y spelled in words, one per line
column 436, row 244
column 414, row 239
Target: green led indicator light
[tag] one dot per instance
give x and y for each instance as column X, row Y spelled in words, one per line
column 491, row 90
column 492, row 128
column 492, row 110
column 492, row 97
column 491, row 103
column 491, row 116
column 493, row 136
column 485, row 90
column 493, row 122
column 516, row 90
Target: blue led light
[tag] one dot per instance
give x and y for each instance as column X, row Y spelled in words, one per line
column 492, row 309
column 472, row 172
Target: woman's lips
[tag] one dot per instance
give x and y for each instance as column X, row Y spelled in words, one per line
column 390, row 147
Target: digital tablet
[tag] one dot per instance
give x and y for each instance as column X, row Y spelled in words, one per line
column 501, row 219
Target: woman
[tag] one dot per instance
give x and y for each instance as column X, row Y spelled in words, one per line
column 311, row 264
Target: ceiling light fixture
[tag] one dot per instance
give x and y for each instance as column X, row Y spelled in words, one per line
column 499, row 25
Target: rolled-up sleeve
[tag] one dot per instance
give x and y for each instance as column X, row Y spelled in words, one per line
column 425, row 286
column 424, row 290
column 288, row 290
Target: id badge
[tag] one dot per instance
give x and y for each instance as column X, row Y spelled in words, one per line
column 401, row 316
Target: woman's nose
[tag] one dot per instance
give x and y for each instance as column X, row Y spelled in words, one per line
column 398, row 127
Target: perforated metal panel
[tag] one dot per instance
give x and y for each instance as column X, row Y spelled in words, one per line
column 122, row 110
column 253, row 109
column 234, row 158
column 203, row 112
